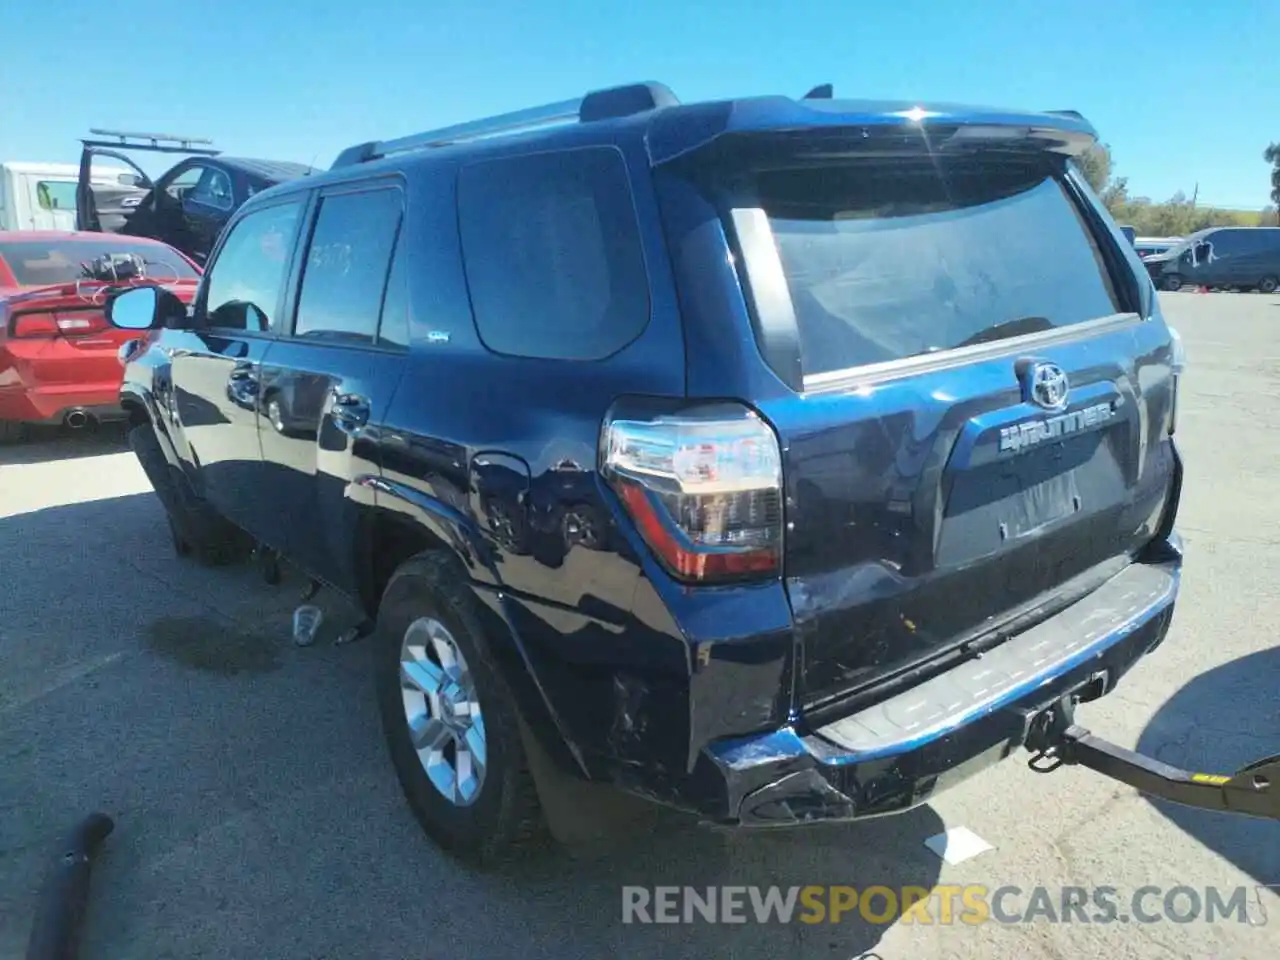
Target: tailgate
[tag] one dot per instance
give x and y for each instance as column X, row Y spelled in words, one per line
column 980, row 430
column 947, row 505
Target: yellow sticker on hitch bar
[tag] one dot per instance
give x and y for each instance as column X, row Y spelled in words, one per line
column 1216, row 779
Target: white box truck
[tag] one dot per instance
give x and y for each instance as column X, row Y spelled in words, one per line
column 42, row 196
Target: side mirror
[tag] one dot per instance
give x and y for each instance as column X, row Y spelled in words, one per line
column 144, row 308
column 136, row 309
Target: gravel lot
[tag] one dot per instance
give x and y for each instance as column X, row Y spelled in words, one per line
column 258, row 818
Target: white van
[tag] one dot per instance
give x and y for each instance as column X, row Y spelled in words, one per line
column 42, row 196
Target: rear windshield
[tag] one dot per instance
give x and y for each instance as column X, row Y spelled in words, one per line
column 36, row 263
column 892, row 259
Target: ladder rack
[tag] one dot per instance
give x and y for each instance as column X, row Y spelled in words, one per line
column 158, row 142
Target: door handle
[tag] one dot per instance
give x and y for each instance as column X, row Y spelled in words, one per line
column 350, row 412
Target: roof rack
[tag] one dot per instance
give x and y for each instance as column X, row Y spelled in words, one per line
column 604, row 104
column 158, row 142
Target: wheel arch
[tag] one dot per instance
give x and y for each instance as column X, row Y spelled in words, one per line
column 140, row 408
column 386, row 538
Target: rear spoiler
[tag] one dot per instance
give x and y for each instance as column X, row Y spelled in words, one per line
column 675, row 134
column 95, row 295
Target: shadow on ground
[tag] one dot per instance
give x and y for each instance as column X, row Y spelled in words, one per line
column 256, row 813
column 59, row 443
column 1219, row 722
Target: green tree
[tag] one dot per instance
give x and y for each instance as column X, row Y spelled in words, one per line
column 1095, row 165
column 1177, row 216
column 1272, row 156
column 1115, row 194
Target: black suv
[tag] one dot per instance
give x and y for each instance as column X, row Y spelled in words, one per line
column 773, row 459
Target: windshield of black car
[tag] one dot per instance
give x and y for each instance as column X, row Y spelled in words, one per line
column 36, row 263
column 892, row 258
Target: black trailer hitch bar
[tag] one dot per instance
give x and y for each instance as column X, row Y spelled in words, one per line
column 1055, row 740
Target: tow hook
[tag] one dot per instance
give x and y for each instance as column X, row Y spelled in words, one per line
column 1055, row 740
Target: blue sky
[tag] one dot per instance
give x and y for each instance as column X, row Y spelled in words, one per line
column 1185, row 91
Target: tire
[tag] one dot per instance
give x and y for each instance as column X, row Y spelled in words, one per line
column 1268, row 284
column 1172, row 283
column 194, row 527
column 426, row 606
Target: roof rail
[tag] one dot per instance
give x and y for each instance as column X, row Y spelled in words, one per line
column 598, row 105
column 151, row 141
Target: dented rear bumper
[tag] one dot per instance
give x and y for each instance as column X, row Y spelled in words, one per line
column 896, row 754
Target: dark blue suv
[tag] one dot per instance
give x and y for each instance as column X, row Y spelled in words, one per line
column 776, row 460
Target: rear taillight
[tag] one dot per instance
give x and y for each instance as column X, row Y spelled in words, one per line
column 704, row 489
column 1179, row 364
column 43, row 325
column 33, row 326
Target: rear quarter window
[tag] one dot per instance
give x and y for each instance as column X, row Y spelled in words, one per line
column 552, row 254
column 889, row 260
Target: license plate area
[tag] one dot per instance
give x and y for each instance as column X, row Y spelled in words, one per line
column 992, row 507
column 1039, row 505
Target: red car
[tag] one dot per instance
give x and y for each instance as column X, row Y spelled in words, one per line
column 58, row 354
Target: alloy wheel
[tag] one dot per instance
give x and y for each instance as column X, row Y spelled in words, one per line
column 442, row 710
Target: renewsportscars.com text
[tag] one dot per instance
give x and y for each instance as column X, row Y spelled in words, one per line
column 971, row 904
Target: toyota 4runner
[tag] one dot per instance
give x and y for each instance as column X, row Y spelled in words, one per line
column 776, row 460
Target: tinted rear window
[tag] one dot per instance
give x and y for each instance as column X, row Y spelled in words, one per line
column 42, row 262
column 887, row 260
column 552, row 253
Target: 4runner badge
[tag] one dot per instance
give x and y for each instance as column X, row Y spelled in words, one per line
column 1031, row 432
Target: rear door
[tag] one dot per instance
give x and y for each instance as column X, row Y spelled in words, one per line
column 1259, row 256
column 976, row 432
column 326, row 387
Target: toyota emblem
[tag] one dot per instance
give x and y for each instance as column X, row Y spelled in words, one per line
column 1049, row 386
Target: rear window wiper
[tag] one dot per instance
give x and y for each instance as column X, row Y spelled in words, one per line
column 1017, row 327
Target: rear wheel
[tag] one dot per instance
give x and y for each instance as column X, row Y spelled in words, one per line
column 448, row 719
column 1268, row 284
column 1172, row 283
column 194, row 527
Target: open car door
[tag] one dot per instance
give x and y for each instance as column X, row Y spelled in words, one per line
column 107, row 207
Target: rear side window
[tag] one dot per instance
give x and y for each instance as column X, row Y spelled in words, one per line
column 347, row 264
column 552, row 254
column 394, row 329
column 888, row 260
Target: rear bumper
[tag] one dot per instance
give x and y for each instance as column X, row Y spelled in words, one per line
column 50, row 404
column 895, row 755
